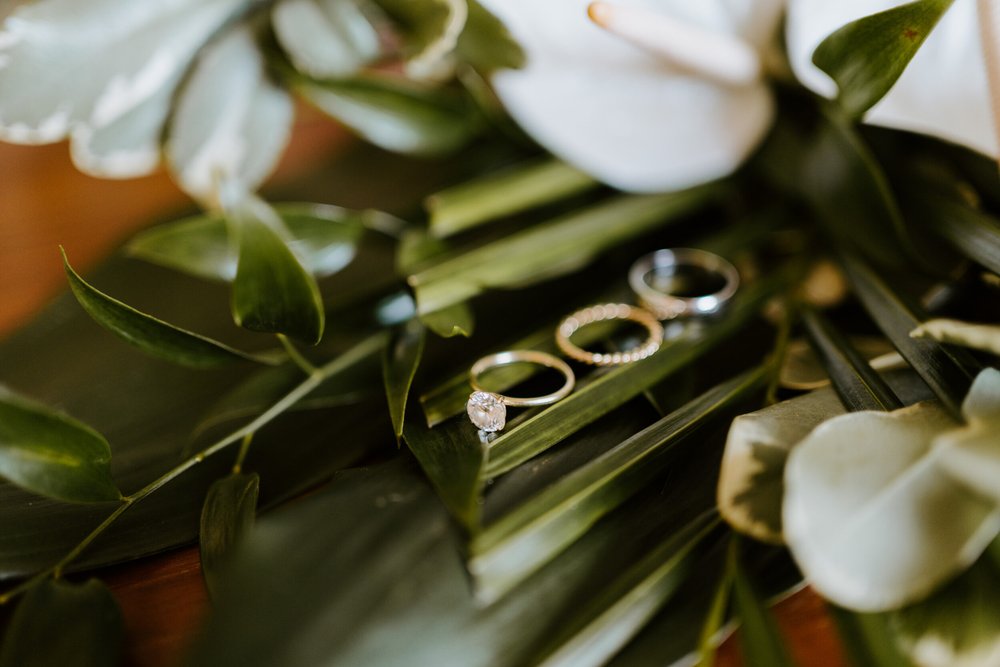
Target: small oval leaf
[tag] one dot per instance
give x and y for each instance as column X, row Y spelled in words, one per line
column 399, row 365
column 226, row 516
column 59, row 623
column 149, row 334
column 454, row 320
column 324, row 236
column 53, row 454
column 272, row 292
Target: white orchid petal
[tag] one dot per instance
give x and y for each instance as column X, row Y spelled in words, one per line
column 971, row 454
column 67, row 66
column 943, row 92
column 870, row 516
column 956, row 332
column 619, row 113
column 325, row 38
column 231, row 123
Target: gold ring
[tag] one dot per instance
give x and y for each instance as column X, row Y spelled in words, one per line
column 601, row 313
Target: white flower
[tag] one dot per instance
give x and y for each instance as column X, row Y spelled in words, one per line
column 643, row 95
column 881, row 509
column 943, row 92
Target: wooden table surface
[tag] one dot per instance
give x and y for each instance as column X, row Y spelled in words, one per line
column 45, row 202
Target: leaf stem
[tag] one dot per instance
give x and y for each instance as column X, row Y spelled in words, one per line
column 242, row 454
column 244, row 434
column 778, row 353
column 293, row 353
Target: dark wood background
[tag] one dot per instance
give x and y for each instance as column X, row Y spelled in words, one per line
column 45, row 202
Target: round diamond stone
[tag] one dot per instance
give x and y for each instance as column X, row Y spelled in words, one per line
column 487, row 411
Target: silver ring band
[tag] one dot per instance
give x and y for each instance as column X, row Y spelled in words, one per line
column 601, row 313
column 670, row 261
column 488, row 410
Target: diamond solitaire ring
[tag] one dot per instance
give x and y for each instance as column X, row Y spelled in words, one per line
column 488, row 410
column 682, row 282
column 602, row 313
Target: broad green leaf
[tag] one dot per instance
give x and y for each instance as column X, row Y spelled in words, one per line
column 430, row 30
column 230, row 122
column 325, row 38
column 304, row 567
column 973, row 232
column 150, row 334
column 551, row 248
column 59, row 623
column 394, row 114
column 226, row 517
column 857, row 384
column 760, row 641
column 984, row 337
column 454, row 320
column 497, row 195
column 868, row 638
column 957, row 627
column 534, row 532
column 595, row 399
column 947, row 371
column 357, row 377
column 867, row 56
column 485, row 43
column 400, row 360
column 272, row 292
column 875, row 532
column 416, row 250
column 52, row 454
column 324, row 237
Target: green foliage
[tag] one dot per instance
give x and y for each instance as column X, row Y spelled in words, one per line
column 868, row 638
column 52, row 454
column 272, row 292
column 454, row 320
column 395, row 114
column 152, row 335
column 399, row 364
column 485, row 43
column 226, row 518
column 59, row 623
column 430, row 29
column 760, row 640
column 867, row 56
column 324, row 238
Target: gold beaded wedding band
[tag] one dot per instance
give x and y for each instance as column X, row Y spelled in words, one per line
column 488, row 410
column 670, row 262
column 601, row 313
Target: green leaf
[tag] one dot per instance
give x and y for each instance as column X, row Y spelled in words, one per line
column 760, row 640
column 430, row 30
column 947, row 371
column 503, row 193
column 868, row 638
column 416, row 250
column 455, row 320
column 867, row 56
column 973, row 232
column 485, row 42
column 272, row 292
column 324, row 236
column 856, row 383
column 395, row 115
column 534, row 532
column 715, row 618
column 551, row 248
column 399, row 364
column 53, row 454
column 150, row 334
column 59, row 623
column 226, row 517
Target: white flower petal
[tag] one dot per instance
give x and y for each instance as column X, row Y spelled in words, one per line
column 325, row 38
column 231, row 123
column 622, row 114
column 971, row 454
column 943, row 92
column 67, row 66
column 870, row 516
